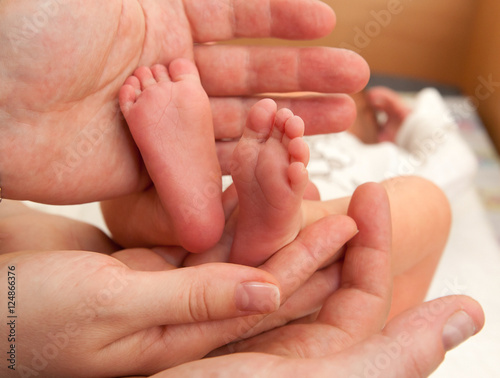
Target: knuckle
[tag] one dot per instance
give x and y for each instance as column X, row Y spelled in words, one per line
column 198, row 303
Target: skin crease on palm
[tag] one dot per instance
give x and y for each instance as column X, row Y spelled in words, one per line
column 62, row 64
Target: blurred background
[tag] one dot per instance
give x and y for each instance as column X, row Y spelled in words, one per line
column 452, row 43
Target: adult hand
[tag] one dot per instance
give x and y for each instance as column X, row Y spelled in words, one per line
column 344, row 339
column 365, row 282
column 24, row 228
column 413, row 344
column 64, row 62
column 89, row 314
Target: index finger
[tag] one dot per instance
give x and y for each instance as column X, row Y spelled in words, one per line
column 246, row 70
column 226, row 19
column 366, row 276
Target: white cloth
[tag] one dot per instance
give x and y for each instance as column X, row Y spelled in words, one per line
column 427, row 145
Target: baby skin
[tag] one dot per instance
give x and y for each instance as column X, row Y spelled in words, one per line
column 269, row 173
column 270, row 179
column 170, row 119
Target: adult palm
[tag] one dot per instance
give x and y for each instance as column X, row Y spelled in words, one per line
column 62, row 64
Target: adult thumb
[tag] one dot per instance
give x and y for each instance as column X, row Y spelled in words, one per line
column 196, row 294
column 414, row 343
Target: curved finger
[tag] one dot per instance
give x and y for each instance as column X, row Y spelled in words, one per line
column 303, row 306
column 296, row 263
column 360, row 306
column 140, row 300
column 295, row 268
column 248, row 70
column 228, row 19
column 200, row 339
column 364, row 296
column 414, row 343
column 242, row 365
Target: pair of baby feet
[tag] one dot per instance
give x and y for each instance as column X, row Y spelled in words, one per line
column 168, row 113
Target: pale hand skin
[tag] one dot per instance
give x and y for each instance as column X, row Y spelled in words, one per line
column 344, row 341
column 92, row 315
column 23, row 228
column 421, row 220
column 411, row 345
column 63, row 63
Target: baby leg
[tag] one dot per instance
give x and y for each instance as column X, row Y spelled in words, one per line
column 270, row 176
column 169, row 116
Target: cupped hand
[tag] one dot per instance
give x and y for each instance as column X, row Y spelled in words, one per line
column 349, row 336
column 63, row 64
column 413, row 344
column 87, row 314
column 365, row 283
column 91, row 314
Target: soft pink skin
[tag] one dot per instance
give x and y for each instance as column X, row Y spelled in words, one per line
column 270, row 176
column 59, row 114
column 168, row 113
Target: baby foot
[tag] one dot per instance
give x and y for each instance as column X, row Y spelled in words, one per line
column 270, row 176
column 169, row 116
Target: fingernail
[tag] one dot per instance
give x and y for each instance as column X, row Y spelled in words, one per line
column 258, row 297
column 457, row 329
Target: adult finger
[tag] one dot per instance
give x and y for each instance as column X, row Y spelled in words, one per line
column 216, row 287
column 310, row 297
column 321, row 113
column 227, row 19
column 248, row 70
column 414, row 343
column 293, row 265
column 293, row 337
column 140, row 300
column 211, row 335
column 244, row 365
column 360, row 307
column 295, row 268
